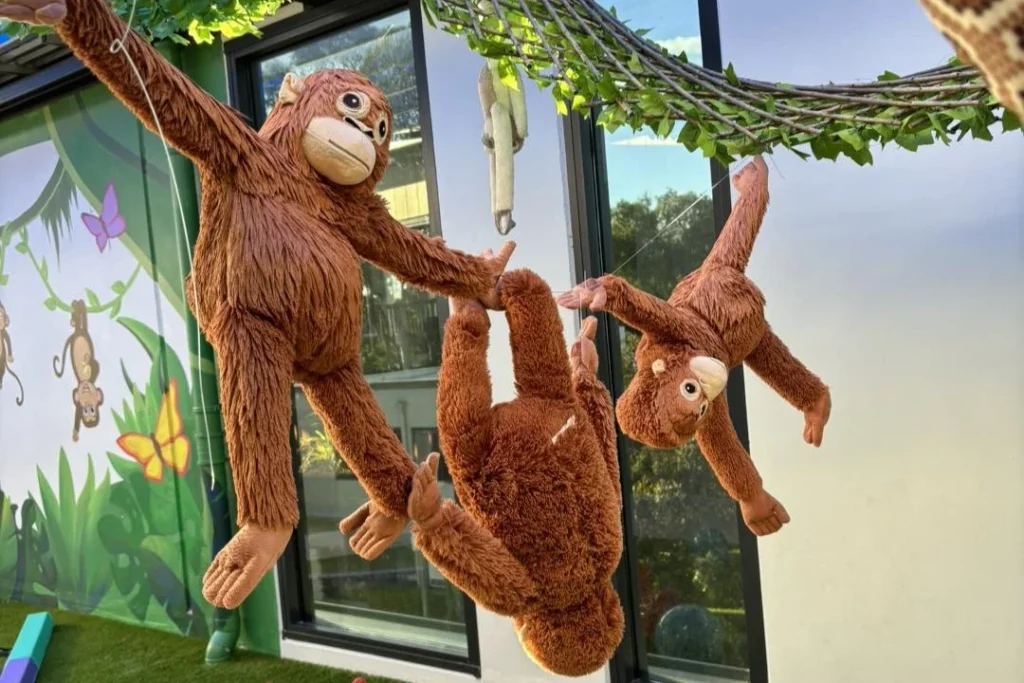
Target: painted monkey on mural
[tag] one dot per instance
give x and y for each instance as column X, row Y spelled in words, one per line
column 86, row 396
column 7, row 355
column 713, row 321
column 276, row 284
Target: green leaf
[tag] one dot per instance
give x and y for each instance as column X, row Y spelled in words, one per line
column 606, row 88
column 51, row 304
column 889, row 76
column 634, row 63
column 981, row 132
column 44, row 270
column 664, row 127
column 652, row 103
column 730, row 75
column 851, row 136
column 94, row 301
column 560, row 107
column 4, row 277
column 21, row 247
column 118, row 287
column 769, row 104
column 1010, row 123
column 961, row 113
column 641, row 32
column 688, row 136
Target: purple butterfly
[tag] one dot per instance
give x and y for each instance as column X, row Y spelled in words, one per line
column 109, row 224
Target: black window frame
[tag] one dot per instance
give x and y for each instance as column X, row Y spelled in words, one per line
column 242, row 58
column 590, row 223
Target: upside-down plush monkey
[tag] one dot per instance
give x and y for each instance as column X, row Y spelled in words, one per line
column 539, row 531
column 276, row 285
column 712, row 322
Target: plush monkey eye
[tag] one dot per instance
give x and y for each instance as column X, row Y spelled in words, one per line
column 354, row 103
column 382, row 129
column 690, row 390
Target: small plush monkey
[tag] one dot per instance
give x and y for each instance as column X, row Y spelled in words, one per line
column 86, row 396
column 713, row 321
column 7, row 355
column 505, row 130
column 539, row 531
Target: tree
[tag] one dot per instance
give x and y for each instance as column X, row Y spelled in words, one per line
column 685, row 525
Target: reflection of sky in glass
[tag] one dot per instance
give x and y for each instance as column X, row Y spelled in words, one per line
column 640, row 162
column 380, row 49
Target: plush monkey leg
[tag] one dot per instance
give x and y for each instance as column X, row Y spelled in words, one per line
column 361, row 433
column 791, row 380
column 464, row 389
column 735, row 471
column 539, row 359
column 255, row 364
column 465, row 552
column 596, row 401
column 735, row 243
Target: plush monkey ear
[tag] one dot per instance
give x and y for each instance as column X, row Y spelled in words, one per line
column 658, row 366
column 291, row 86
column 99, row 395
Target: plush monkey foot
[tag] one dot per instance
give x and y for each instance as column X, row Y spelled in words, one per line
column 816, row 418
column 425, row 499
column 583, row 353
column 492, row 300
column 763, row 514
column 374, row 532
column 241, row 564
column 36, row 12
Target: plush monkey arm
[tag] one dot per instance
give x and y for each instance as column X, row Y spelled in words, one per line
column 465, row 552
column 646, row 312
column 464, row 388
column 597, row 403
column 5, row 339
column 725, row 454
column 193, row 122
column 423, row 261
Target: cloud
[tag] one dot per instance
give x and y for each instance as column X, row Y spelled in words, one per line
column 691, row 45
column 645, row 140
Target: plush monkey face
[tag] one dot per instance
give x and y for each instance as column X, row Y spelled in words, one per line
column 345, row 123
column 89, row 398
column 669, row 396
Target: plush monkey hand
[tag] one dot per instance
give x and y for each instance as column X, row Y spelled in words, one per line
column 35, row 12
column 583, row 353
column 589, row 294
column 492, row 299
column 763, row 514
column 374, row 531
column 241, row 564
column 816, row 418
column 425, row 499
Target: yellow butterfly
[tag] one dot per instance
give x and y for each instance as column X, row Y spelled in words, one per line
column 167, row 445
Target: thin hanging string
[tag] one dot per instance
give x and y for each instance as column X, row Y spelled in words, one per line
column 119, row 46
column 661, row 232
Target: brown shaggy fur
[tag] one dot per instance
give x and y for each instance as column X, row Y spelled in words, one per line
column 714, row 311
column 539, row 533
column 280, row 290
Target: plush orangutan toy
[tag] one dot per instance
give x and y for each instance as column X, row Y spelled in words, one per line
column 286, row 214
column 539, row 533
column 713, row 321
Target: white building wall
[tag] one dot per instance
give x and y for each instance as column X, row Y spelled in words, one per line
column 902, row 285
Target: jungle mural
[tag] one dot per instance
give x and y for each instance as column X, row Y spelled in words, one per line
column 107, row 503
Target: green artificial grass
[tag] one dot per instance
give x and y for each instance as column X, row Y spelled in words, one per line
column 87, row 649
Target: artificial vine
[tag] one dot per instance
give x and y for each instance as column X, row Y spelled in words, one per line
column 201, row 20
column 592, row 61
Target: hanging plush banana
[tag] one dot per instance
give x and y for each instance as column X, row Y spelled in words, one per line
column 504, row 110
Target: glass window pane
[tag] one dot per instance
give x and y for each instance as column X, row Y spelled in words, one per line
column 691, row 593
column 397, row 598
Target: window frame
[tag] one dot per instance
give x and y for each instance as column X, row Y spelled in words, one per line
column 590, row 225
column 242, row 57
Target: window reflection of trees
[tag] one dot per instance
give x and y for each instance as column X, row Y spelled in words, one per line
column 685, row 526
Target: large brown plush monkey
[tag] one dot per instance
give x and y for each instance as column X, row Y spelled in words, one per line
column 540, row 533
column 286, row 213
column 713, row 321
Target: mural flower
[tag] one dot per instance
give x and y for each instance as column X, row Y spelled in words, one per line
column 109, row 224
column 167, row 445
